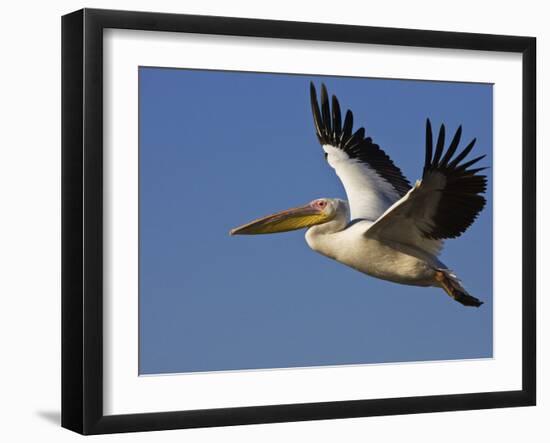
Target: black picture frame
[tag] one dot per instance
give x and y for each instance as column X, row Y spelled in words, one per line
column 82, row 220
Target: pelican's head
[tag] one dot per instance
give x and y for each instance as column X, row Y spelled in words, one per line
column 319, row 211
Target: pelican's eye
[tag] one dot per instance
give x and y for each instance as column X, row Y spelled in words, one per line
column 322, row 204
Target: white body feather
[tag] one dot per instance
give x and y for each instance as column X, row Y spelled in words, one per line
column 375, row 257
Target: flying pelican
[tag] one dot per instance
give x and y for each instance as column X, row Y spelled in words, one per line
column 387, row 229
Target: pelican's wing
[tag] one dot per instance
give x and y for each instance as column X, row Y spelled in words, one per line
column 442, row 205
column 371, row 180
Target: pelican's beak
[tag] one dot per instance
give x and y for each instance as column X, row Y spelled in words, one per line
column 289, row 220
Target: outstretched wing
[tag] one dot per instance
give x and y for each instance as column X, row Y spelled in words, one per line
column 442, row 205
column 371, row 180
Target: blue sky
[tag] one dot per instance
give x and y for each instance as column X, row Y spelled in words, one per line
column 218, row 149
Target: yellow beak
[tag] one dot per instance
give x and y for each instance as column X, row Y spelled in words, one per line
column 289, row 220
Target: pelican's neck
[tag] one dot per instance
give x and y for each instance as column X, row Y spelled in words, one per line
column 331, row 227
column 319, row 237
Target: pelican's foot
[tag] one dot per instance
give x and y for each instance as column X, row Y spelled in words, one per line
column 454, row 290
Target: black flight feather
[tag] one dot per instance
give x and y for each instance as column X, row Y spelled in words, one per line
column 452, row 147
column 336, row 118
column 348, row 126
column 429, row 143
column 440, row 145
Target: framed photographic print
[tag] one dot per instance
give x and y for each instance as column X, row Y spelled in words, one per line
column 269, row 221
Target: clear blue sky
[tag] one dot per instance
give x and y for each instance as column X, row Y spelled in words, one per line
column 218, row 149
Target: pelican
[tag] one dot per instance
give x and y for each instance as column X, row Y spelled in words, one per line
column 387, row 229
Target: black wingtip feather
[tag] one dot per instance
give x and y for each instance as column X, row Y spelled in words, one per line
column 336, row 118
column 429, row 143
column 452, row 147
column 317, row 120
column 465, row 166
column 325, row 111
column 348, row 127
column 476, row 170
column 440, row 145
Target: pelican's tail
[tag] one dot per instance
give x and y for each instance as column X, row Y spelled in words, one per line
column 451, row 285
